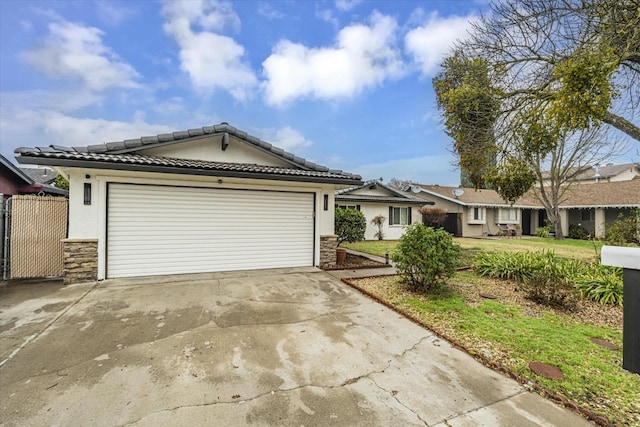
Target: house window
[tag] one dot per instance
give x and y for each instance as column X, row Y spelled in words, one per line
column 354, row 207
column 399, row 216
column 587, row 215
column 508, row 215
column 477, row 215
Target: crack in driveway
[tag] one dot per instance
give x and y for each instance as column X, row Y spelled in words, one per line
column 302, row 386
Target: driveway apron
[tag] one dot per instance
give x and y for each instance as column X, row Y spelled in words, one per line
column 276, row 347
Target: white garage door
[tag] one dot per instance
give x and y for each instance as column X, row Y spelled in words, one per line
column 155, row 230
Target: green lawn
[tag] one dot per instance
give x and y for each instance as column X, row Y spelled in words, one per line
column 509, row 334
column 579, row 249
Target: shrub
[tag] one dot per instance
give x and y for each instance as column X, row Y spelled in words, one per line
column 543, row 231
column 578, row 232
column 350, row 225
column 552, row 280
column 425, row 257
column 378, row 220
column 433, row 217
column 548, row 287
column 601, row 283
column 625, row 229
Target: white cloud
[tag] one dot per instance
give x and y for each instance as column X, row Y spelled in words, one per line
column 213, row 61
column 75, row 52
column 73, row 131
column 429, row 42
column 347, row 5
column 425, row 170
column 66, row 101
column 269, row 12
column 327, row 16
column 363, row 56
column 286, row 138
column 113, row 14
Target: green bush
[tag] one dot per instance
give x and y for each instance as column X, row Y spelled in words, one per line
column 544, row 287
column 425, row 257
column 625, row 229
column 542, row 231
column 350, row 225
column 578, row 232
column 552, row 280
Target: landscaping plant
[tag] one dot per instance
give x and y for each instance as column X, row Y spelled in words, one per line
column 577, row 231
column 552, row 280
column 433, row 217
column 625, row 229
column 378, row 221
column 542, row 231
column 425, row 257
column 350, row 225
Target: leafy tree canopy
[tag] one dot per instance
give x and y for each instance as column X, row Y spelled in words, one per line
column 531, row 74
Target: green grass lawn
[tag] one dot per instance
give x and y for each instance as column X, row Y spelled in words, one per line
column 510, row 334
column 579, row 249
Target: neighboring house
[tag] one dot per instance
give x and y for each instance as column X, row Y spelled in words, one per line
column 596, row 206
column 41, row 175
column 608, row 173
column 201, row 200
column 374, row 198
column 478, row 213
column 13, row 180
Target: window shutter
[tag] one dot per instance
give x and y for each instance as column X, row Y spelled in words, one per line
column 390, row 215
column 409, row 215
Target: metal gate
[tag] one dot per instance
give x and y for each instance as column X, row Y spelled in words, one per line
column 34, row 227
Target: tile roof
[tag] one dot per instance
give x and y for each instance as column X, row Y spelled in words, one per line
column 122, row 153
column 381, row 199
column 397, row 194
column 167, row 164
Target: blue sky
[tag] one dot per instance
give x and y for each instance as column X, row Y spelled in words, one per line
column 343, row 83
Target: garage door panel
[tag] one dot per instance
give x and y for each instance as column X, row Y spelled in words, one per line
column 168, row 230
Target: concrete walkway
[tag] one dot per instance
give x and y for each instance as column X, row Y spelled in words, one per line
column 271, row 347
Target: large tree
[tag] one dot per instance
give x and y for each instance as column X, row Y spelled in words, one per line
column 555, row 171
column 550, row 70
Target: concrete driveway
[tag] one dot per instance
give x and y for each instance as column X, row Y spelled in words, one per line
column 280, row 347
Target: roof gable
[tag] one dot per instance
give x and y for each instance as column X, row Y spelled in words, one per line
column 182, row 152
column 211, row 149
column 376, row 191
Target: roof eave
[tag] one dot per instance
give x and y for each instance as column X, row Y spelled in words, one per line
column 387, row 200
column 90, row 164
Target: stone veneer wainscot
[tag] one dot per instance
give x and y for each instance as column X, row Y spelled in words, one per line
column 328, row 245
column 80, row 260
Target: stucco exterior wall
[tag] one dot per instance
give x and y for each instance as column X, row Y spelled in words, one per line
column 89, row 221
column 210, row 149
column 390, row 232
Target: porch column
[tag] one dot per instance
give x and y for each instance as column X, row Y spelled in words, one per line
column 564, row 221
column 599, row 223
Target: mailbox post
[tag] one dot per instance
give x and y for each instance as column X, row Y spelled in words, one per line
column 629, row 260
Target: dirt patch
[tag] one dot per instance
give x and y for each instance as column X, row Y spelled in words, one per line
column 355, row 262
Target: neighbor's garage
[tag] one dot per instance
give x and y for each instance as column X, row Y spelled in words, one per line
column 153, row 229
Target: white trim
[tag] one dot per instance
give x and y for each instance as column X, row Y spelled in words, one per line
column 471, row 215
